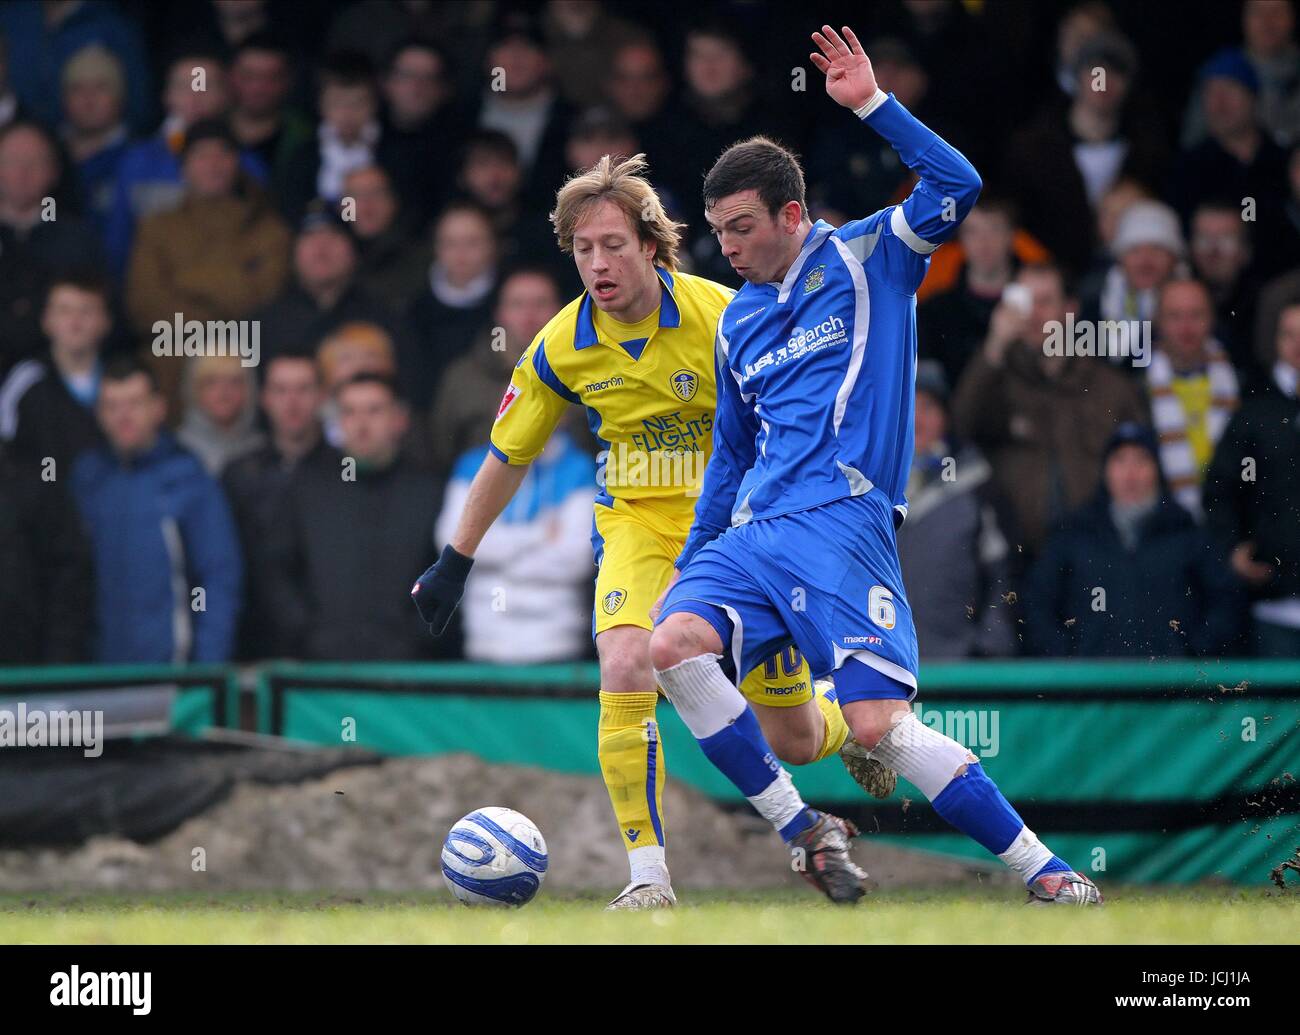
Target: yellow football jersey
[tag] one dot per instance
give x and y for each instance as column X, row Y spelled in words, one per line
column 649, row 401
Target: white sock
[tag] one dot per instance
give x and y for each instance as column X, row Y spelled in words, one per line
column 1026, row 854
column 708, row 704
column 648, row 865
column 704, row 698
column 930, row 760
column 922, row 755
column 780, row 803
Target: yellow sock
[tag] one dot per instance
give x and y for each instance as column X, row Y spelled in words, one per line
column 632, row 762
column 837, row 730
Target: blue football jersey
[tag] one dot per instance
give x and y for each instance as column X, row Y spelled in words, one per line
column 816, row 374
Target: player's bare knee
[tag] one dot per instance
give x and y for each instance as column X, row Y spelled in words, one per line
column 676, row 639
column 868, row 733
column 799, row 749
column 870, row 729
column 624, row 660
column 795, row 735
column 668, row 645
column 623, row 673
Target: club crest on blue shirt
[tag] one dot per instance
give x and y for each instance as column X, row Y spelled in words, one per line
column 685, row 384
column 815, row 279
column 613, row 600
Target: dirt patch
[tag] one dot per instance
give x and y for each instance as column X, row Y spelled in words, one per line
column 381, row 827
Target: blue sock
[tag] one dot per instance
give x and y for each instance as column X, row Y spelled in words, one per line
column 742, row 753
column 973, row 804
column 1053, row 865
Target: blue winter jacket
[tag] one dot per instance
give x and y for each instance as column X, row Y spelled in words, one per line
column 161, row 529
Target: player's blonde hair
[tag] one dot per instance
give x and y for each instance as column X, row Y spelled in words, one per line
column 621, row 182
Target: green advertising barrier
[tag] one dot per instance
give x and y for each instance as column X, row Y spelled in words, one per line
column 1168, row 772
column 1160, row 771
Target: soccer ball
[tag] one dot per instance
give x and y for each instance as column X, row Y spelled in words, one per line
column 494, row 857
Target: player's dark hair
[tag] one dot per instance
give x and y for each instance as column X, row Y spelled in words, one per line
column 123, row 368
column 758, row 164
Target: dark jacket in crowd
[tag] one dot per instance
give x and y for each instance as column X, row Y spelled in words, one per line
column 296, row 185
column 423, row 185
column 1209, row 173
column 42, row 418
column 256, row 484
column 1265, row 508
column 46, row 581
column 439, row 335
column 160, row 528
column 28, row 262
column 1172, row 595
column 343, row 555
column 392, row 268
column 951, row 327
column 465, row 407
column 294, row 323
column 956, row 561
column 1041, row 174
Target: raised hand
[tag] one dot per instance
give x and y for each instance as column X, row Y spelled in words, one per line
column 850, row 79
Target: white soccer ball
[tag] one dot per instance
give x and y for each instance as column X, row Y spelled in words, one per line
column 494, row 857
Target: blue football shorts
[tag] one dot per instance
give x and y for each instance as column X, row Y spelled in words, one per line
column 827, row 579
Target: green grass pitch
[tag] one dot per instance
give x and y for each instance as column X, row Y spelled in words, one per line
column 1131, row 915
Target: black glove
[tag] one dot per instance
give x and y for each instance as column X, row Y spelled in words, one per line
column 437, row 592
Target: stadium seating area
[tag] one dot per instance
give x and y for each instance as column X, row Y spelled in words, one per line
column 357, row 192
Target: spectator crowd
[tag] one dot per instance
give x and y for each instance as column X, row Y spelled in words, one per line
column 1107, row 447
